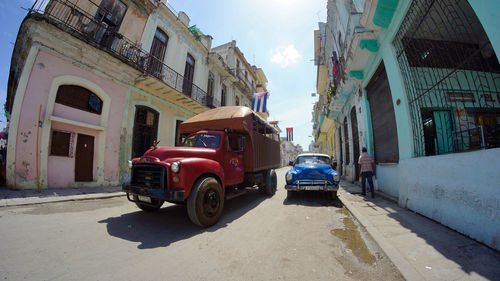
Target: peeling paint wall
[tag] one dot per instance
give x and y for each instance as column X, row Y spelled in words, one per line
column 60, row 170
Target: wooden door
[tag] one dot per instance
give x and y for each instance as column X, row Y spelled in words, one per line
column 84, row 158
column 188, row 75
column 145, row 130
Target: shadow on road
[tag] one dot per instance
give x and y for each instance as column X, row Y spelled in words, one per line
column 312, row 199
column 171, row 224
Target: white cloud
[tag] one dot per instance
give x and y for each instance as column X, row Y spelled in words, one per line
column 286, row 56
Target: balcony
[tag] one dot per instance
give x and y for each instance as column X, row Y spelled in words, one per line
column 87, row 27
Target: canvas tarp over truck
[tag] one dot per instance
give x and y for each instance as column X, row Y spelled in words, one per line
column 262, row 152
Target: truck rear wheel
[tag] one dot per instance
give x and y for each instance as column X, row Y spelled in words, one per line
column 154, row 206
column 205, row 203
column 271, row 182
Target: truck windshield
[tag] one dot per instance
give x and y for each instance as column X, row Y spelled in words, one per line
column 313, row 160
column 203, row 140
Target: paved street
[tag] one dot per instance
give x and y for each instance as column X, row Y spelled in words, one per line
column 302, row 238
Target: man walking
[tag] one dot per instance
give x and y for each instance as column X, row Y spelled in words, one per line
column 366, row 168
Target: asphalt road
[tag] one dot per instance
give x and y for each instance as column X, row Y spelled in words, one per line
column 305, row 237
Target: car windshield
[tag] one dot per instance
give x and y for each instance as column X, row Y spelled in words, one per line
column 310, row 159
column 203, row 140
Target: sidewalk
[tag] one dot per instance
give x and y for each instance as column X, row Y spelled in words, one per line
column 419, row 247
column 27, row 197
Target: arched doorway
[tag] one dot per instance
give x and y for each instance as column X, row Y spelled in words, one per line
column 355, row 142
column 346, row 140
column 341, row 156
column 145, row 130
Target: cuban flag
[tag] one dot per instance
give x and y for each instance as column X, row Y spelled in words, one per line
column 289, row 134
column 259, row 102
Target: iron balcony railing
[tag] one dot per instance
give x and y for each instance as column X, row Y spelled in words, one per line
column 91, row 28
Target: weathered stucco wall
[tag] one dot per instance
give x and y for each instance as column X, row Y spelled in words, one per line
column 459, row 190
column 60, row 170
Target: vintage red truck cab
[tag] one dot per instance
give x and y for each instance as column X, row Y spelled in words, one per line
column 226, row 151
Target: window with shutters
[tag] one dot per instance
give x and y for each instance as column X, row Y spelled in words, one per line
column 61, row 144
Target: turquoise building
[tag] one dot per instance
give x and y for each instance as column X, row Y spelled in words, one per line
column 423, row 80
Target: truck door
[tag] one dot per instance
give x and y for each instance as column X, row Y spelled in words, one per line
column 234, row 171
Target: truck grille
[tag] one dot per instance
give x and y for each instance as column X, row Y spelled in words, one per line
column 150, row 176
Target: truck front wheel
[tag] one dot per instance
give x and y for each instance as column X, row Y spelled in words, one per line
column 205, row 203
column 271, row 182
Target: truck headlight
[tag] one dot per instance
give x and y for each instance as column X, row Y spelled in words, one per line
column 130, row 164
column 336, row 177
column 175, row 167
column 288, row 177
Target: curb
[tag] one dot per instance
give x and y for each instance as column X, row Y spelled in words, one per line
column 406, row 269
column 41, row 200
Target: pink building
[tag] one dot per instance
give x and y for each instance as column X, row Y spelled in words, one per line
column 102, row 99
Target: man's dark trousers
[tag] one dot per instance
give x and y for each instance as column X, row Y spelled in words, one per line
column 367, row 176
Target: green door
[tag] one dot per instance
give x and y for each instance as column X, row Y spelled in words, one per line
column 444, row 128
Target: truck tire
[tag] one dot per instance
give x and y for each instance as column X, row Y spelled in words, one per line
column 155, row 204
column 271, row 182
column 205, row 203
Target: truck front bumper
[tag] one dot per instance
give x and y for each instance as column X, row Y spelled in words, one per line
column 166, row 195
column 312, row 185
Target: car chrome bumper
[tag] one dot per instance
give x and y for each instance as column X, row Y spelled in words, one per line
column 167, row 195
column 312, row 185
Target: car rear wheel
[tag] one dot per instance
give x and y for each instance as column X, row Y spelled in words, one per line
column 154, row 206
column 205, row 203
column 331, row 195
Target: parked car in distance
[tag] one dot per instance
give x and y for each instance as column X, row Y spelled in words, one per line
column 312, row 171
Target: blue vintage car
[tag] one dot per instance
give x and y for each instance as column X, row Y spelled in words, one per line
column 312, row 171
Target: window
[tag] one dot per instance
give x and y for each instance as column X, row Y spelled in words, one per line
column 237, row 102
column 223, row 95
column 109, row 15
column 340, row 42
column 80, row 98
column 111, row 12
column 203, row 140
column 238, row 68
column 188, row 75
column 311, row 159
column 158, row 49
column 60, row 143
column 210, row 86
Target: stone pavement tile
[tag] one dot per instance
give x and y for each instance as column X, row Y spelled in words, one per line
column 434, row 263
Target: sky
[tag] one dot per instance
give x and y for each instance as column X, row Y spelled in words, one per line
column 275, row 35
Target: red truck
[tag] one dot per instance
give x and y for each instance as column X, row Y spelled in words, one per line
column 225, row 151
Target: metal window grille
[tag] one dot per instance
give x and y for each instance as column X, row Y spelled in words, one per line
column 452, row 78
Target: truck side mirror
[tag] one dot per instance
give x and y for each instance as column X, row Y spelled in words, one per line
column 290, row 163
